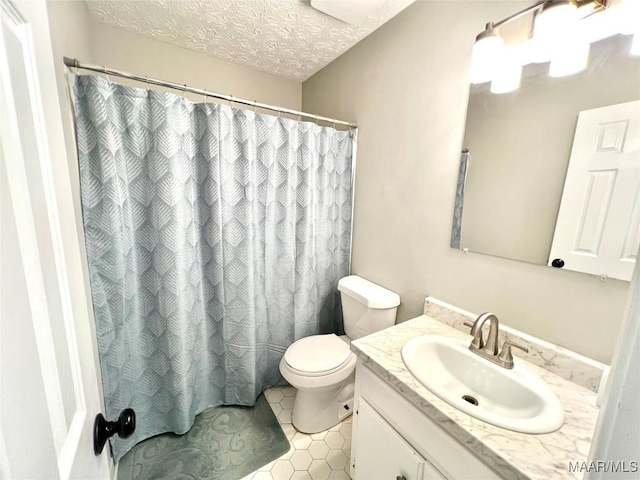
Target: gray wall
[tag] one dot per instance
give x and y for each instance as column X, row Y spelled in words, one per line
column 136, row 53
column 407, row 86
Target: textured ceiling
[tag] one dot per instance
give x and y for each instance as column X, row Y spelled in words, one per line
column 286, row 38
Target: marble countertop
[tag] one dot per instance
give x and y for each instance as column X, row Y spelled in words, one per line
column 511, row 454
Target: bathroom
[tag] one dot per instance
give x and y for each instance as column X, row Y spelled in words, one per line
column 406, row 85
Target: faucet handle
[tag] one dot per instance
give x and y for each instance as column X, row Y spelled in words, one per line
column 505, row 356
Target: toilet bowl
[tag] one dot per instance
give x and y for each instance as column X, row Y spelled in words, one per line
column 322, row 367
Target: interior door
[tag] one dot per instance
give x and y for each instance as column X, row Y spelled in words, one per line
column 598, row 227
column 49, row 394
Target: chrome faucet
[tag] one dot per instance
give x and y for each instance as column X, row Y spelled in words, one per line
column 489, row 349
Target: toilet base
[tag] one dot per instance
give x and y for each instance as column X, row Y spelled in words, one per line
column 318, row 409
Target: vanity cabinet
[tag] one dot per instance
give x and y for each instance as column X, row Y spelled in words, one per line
column 383, row 453
column 393, row 440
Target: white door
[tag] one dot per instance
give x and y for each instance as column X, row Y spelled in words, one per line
column 598, row 228
column 49, row 391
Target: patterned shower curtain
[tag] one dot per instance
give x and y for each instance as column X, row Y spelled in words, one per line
column 215, row 238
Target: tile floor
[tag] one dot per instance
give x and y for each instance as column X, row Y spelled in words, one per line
column 320, row 456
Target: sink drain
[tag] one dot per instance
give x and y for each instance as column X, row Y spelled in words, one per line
column 470, row 399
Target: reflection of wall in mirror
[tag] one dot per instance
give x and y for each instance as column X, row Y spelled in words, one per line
column 522, row 143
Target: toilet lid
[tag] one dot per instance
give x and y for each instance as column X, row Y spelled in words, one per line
column 318, row 353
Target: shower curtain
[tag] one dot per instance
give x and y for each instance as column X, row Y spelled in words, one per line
column 215, row 238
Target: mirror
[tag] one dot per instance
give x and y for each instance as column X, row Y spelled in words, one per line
column 519, row 147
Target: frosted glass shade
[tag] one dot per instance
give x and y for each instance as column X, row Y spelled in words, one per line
column 569, row 58
column 554, row 21
column 485, row 57
column 507, row 78
column 635, row 46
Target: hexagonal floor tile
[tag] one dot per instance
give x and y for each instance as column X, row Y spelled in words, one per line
column 289, row 391
column 289, row 430
column 262, row 476
column 334, row 440
column 301, row 475
column 301, row 460
column 284, row 416
column 282, row 470
column 276, row 407
column 319, row 435
column 338, row 475
column 274, row 396
column 287, row 402
column 319, row 470
column 346, row 429
column 318, row 449
column 336, row 459
column 301, row 441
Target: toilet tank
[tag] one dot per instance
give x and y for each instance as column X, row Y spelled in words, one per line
column 366, row 307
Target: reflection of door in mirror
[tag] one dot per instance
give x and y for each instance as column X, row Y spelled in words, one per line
column 520, row 144
column 599, row 217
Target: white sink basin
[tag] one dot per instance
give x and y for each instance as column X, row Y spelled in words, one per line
column 513, row 399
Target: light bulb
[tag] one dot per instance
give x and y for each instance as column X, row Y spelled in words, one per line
column 485, row 55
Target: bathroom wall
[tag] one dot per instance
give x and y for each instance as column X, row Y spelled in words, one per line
column 406, row 86
column 131, row 52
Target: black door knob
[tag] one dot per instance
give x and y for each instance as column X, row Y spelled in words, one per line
column 102, row 429
column 557, row 263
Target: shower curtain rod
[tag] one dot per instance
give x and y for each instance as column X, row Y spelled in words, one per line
column 73, row 63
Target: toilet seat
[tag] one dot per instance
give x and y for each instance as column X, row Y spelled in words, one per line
column 317, row 355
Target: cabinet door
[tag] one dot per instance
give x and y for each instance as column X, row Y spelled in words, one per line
column 382, row 453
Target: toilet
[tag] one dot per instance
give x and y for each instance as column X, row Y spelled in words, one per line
column 322, row 367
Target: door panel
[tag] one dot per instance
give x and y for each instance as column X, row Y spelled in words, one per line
column 50, row 391
column 598, row 223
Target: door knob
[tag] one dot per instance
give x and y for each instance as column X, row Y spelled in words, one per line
column 103, row 429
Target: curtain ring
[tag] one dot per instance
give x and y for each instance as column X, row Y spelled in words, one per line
column 231, row 101
column 255, row 107
column 104, row 70
column 205, row 95
column 279, row 112
column 317, row 118
column 334, row 123
column 147, row 82
column 184, row 89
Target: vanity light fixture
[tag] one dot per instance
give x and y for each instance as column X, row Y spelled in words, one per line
column 556, row 34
